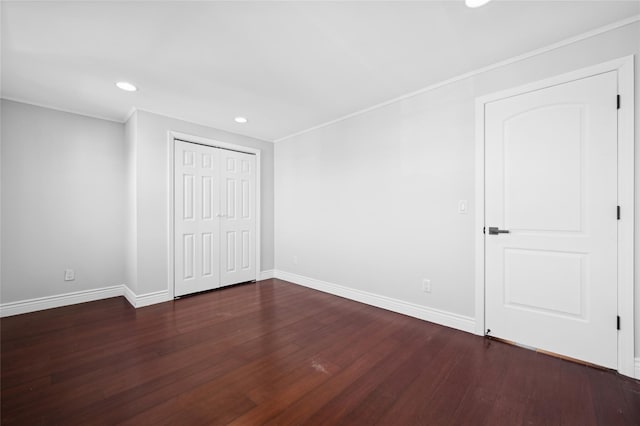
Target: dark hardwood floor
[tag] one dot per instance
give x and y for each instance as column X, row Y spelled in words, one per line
column 276, row 353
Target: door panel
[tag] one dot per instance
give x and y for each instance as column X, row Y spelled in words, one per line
column 535, row 157
column 239, row 222
column 530, row 276
column 551, row 180
column 197, row 229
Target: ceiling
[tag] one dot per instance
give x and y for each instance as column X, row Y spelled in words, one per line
column 286, row 66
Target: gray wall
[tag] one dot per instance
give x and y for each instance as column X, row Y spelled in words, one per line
column 62, row 203
column 370, row 202
column 152, row 195
column 92, row 195
column 131, row 216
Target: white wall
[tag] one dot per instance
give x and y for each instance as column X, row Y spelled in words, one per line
column 92, row 195
column 62, row 203
column 152, row 194
column 131, row 215
column 370, row 202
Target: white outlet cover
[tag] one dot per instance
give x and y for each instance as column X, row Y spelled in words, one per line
column 69, row 275
column 463, row 206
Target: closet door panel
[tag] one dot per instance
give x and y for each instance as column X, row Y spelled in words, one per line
column 197, row 226
column 238, row 223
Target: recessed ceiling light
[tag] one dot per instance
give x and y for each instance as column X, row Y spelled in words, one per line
column 126, row 86
column 476, row 3
column 240, row 120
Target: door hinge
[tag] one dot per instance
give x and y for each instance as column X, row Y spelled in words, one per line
column 618, row 322
column 618, row 102
column 618, row 212
column 484, row 229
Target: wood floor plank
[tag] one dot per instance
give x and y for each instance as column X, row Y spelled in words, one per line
column 356, row 391
column 378, row 402
column 489, row 363
column 277, row 353
column 268, row 371
column 413, row 403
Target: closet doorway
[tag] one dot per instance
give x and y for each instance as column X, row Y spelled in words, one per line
column 215, row 218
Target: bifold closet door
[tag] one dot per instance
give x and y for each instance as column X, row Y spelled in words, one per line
column 238, row 221
column 197, row 221
column 215, row 217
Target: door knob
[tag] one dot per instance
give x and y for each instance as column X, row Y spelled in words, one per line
column 495, row 231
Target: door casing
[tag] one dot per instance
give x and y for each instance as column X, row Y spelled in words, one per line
column 171, row 137
column 626, row 187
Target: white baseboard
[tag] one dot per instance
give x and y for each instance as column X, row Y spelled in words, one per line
column 448, row 319
column 637, row 369
column 49, row 302
column 66, row 299
column 266, row 275
column 152, row 298
column 138, row 301
column 129, row 295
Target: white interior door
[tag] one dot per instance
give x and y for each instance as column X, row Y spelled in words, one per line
column 551, row 182
column 238, row 226
column 197, row 225
column 215, row 217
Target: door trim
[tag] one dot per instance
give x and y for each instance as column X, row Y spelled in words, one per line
column 172, row 136
column 626, row 188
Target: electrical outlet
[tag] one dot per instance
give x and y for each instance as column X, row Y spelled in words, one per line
column 295, row 260
column 426, row 286
column 69, row 275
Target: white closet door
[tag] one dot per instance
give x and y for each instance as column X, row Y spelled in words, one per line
column 197, row 225
column 238, row 225
column 551, row 183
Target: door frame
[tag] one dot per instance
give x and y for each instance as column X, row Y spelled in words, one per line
column 172, row 136
column 626, row 188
